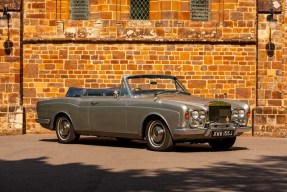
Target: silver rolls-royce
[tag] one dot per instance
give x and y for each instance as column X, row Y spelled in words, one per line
column 155, row 108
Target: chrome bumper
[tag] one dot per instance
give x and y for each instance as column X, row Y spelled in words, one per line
column 205, row 133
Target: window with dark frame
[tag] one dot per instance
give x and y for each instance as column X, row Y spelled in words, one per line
column 199, row 10
column 80, row 9
column 139, row 9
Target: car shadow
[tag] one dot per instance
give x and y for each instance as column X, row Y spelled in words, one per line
column 266, row 173
column 140, row 144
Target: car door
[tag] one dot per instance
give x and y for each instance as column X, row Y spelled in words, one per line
column 107, row 114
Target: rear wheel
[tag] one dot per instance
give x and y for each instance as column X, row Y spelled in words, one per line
column 65, row 131
column 158, row 136
column 222, row 144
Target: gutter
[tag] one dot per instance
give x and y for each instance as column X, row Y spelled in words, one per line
column 257, row 73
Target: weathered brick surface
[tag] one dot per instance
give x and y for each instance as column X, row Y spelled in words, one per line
column 11, row 119
column 11, row 112
column 234, row 77
column 218, row 56
column 270, row 114
column 110, row 19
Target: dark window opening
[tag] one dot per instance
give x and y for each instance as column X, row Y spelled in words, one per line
column 80, row 9
column 199, row 10
column 139, row 10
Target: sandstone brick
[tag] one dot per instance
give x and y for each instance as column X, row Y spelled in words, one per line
column 277, row 95
column 243, row 93
column 281, row 119
column 71, row 64
column 4, row 67
column 38, row 5
column 74, row 83
column 36, row 16
column 275, row 102
column 197, row 84
column 184, row 56
column 259, row 110
column 119, row 55
column 31, row 71
column 260, row 119
column 267, row 110
column 169, row 15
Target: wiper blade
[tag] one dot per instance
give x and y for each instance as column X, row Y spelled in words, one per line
column 171, row 92
column 182, row 92
column 161, row 92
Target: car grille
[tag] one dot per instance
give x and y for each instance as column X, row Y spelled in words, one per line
column 220, row 114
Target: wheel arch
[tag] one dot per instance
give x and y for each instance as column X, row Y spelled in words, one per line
column 60, row 114
column 152, row 117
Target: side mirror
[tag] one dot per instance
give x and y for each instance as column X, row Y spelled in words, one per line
column 116, row 94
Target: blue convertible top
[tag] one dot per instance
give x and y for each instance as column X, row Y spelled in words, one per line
column 79, row 92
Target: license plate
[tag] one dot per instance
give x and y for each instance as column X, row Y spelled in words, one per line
column 226, row 133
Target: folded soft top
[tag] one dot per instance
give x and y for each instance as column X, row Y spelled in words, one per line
column 79, row 92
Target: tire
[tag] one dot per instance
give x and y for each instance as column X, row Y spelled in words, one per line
column 65, row 131
column 158, row 137
column 222, row 144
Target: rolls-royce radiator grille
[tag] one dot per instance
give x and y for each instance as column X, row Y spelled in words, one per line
column 219, row 113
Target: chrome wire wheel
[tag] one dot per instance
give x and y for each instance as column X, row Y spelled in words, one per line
column 64, row 126
column 65, row 131
column 158, row 136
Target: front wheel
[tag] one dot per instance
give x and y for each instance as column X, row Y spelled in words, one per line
column 222, row 144
column 65, row 131
column 158, row 136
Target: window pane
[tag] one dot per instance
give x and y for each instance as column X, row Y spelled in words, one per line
column 199, row 10
column 80, row 9
column 139, row 9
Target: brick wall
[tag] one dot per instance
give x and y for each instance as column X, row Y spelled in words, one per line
column 50, row 69
column 169, row 20
column 218, row 56
column 270, row 113
column 100, row 52
column 11, row 110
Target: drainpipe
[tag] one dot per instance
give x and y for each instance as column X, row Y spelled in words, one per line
column 257, row 67
column 22, row 64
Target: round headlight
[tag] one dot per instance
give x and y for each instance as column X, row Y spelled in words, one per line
column 201, row 115
column 195, row 114
column 241, row 113
column 234, row 114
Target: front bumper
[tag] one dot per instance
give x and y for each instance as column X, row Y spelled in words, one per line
column 205, row 133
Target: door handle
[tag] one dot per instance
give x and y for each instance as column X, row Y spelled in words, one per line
column 94, row 102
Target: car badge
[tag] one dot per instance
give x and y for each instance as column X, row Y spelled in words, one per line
column 227, row 119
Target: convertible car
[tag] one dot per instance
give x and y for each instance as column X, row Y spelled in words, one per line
column 155, row 108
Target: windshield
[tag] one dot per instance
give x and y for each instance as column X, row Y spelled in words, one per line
column 154, row 84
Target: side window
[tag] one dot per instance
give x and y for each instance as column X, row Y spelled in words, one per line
column 199, row 10
column 139, row 9
column 80, row 9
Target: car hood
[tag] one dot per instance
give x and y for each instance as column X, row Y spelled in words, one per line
column 199, row 102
